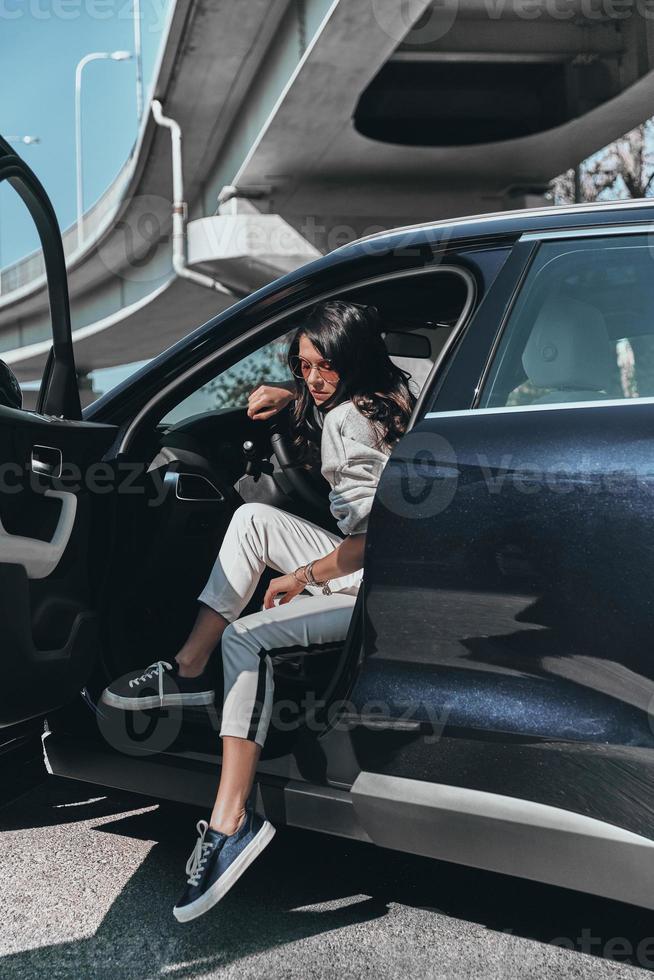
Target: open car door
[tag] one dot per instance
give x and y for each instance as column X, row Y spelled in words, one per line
column 55, row 527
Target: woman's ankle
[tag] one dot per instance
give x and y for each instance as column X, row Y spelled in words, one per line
column 191, row 664
column 228, row 823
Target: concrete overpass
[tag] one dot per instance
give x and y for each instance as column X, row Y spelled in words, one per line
column 326, row 121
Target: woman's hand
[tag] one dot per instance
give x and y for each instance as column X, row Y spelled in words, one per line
column 287, row 584
column 267, row 400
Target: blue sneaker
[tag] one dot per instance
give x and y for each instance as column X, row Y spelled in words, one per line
column 218, row 861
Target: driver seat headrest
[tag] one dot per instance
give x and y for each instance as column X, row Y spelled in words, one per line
column 569, row 348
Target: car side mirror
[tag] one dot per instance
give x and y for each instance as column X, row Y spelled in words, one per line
column 10, row 394
column 400, row 344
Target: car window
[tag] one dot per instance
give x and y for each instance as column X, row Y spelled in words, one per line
column 582, row 328
column 20, row 261
column 230, row 388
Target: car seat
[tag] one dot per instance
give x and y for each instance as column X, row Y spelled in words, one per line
column 569, row 351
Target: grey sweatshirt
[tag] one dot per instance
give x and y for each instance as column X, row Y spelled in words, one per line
column 351, row 464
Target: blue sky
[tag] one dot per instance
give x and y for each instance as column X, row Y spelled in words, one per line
column 41, row 42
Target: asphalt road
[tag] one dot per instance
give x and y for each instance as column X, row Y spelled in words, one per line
column 87, row 885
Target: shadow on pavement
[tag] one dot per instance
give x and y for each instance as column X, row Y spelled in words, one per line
column 272, row 905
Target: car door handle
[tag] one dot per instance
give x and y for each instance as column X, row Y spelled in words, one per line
column 193, row 487
column 47, row 461
column 40, row 558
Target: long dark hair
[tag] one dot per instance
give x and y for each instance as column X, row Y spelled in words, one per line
column 349, row 336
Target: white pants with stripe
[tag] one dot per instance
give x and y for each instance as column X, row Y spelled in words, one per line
column 260, row 535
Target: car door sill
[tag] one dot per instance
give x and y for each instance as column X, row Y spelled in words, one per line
column 482, row 830
column 288, row 802
column 507, row 835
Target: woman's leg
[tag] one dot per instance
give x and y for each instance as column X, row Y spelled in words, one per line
column 258, row 535
column 205, row 636
column 236, row 834
column 240, row 761
column 247, row 647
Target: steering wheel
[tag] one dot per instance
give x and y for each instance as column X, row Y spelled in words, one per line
column 305, row 485
column 10, row 391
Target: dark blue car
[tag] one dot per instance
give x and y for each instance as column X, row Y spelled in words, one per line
column 492, row 704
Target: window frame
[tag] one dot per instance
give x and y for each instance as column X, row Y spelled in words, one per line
column 531, row 243
column 256, row 337
column 58, row 393
column 458, row 383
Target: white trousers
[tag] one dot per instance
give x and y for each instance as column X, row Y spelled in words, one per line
column 260, row 535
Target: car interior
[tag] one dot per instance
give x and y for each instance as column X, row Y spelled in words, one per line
column 202, row 464
column 583, row 331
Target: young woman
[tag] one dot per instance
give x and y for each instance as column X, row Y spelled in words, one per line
column 351, row 407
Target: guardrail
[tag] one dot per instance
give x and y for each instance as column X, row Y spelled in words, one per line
column 31, row 267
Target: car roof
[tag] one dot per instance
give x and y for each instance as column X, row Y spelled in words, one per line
column 514, row 222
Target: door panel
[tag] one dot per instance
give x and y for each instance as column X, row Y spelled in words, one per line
column 56, row 507
column 516, row 621
column 510, row 559
column 56, row 531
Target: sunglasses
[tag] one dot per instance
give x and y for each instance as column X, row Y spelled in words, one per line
column 302, row 368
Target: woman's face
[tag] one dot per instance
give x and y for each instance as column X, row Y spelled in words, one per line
column 317, row 372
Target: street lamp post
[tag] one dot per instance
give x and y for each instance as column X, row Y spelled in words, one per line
column 139, row 60
column 94, row 56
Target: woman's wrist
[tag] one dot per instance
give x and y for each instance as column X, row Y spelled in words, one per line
column 310, row 575
column 291, row 391
column 305, row 574
column 315, row 580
